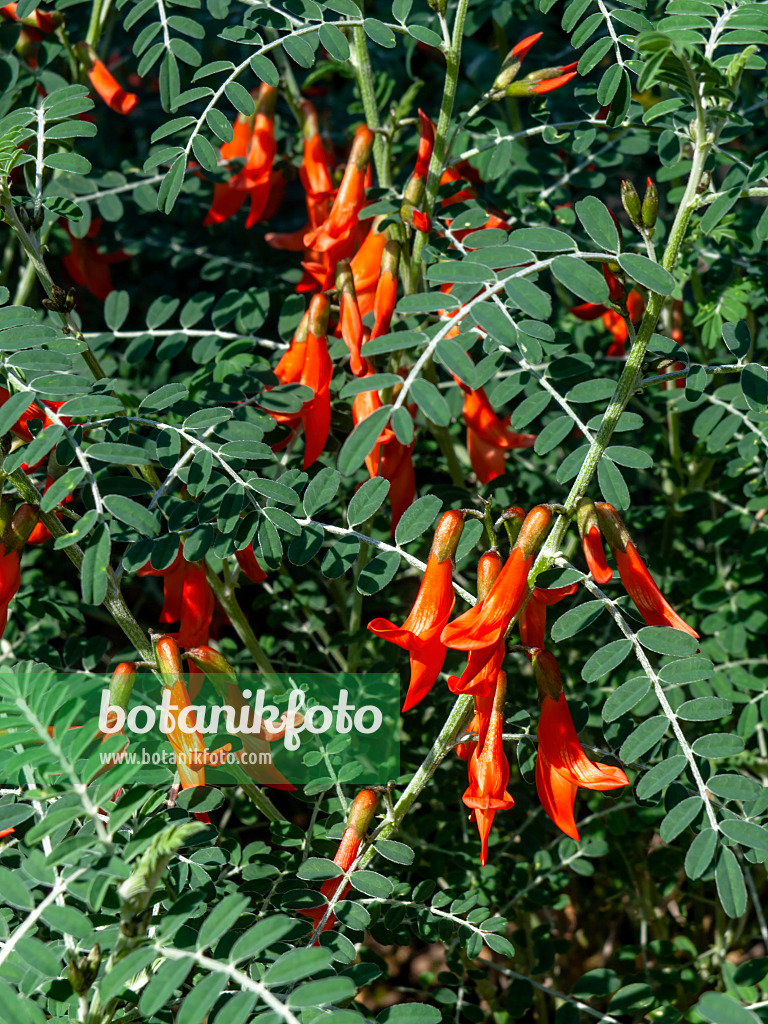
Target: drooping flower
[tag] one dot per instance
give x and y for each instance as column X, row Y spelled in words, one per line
column 483, row 666
column 350, row 321
column 187, row 599
column 366, row 266
column 413, row 193
column 350, row 197
column 113, row 94
column 389, row 458
column 533, row 617
column 485, row 624
column 489, row 772
column 255, row 736
column 228, row 198
column 386, row 291
column 420, row 633
column 592, row 544
column 15, row 528
column 316, row 374
column 636, row 578
column 613, row 320
column 358, row 821
column 488, row 436
column 183, row 734
column 562, row 767
column 256, row 178
column 246, row 559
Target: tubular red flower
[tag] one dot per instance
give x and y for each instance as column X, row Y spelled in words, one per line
column 489, row 772
column 488, row 436
column 386, row 291
column 389, row 458
column 360, row 816
column 592, row 544
column 113, row 94
column 246, row 559
column 349, row 199
column 366, row 268
column 533, row 618
column 316, row 374
column 483, row 666
column 550, row 84
column 647, row 597
column 426, row 145
column 486, row 623
column 227, row 199
column 350, row 320
column 420, row 633
column 562, row 767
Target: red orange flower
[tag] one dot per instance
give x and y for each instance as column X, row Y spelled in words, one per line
column 562, row 767
column 592, row 544
column 246, row 559
column 483, row 666
column 88, row 267
column 349, row 200
column 488, row 436
column 113, row 94
column 420, row 633
column 360, row 816
column 637, row 580
column 389, row 458
column 533, row 618
column 256, row 178
column 486, row 623
column 489, row 772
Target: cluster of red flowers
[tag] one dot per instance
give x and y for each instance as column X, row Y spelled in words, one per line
column 503, row 595
column 351, row 257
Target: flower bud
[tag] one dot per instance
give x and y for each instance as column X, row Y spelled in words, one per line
column 586, row 516
column 612, row 526
column 630, row 200
column 362, row 811
column 547, row 673
column 120, row 688
column 447, row 535
column 317, row 322
column 168, row 659
column 534, row 529
column 512, row 62
column 513, row 519
column 20, row 527
column 488, row 568
column 650, row 207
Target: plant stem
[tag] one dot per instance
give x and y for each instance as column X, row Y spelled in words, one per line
column 362, row 65
column 630, row 375
column 113, row 601
column 34, row 255
column 454, row 726
column 453, row 65
column 226, row 597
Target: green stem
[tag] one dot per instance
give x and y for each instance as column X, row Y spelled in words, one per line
column 631, row 373
column 455, row 725
column 34, row 255
column 453, row 65
column 362, row 65
column 226, row 597
column 99, row 12
column 113, row 601
column 262, row 802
